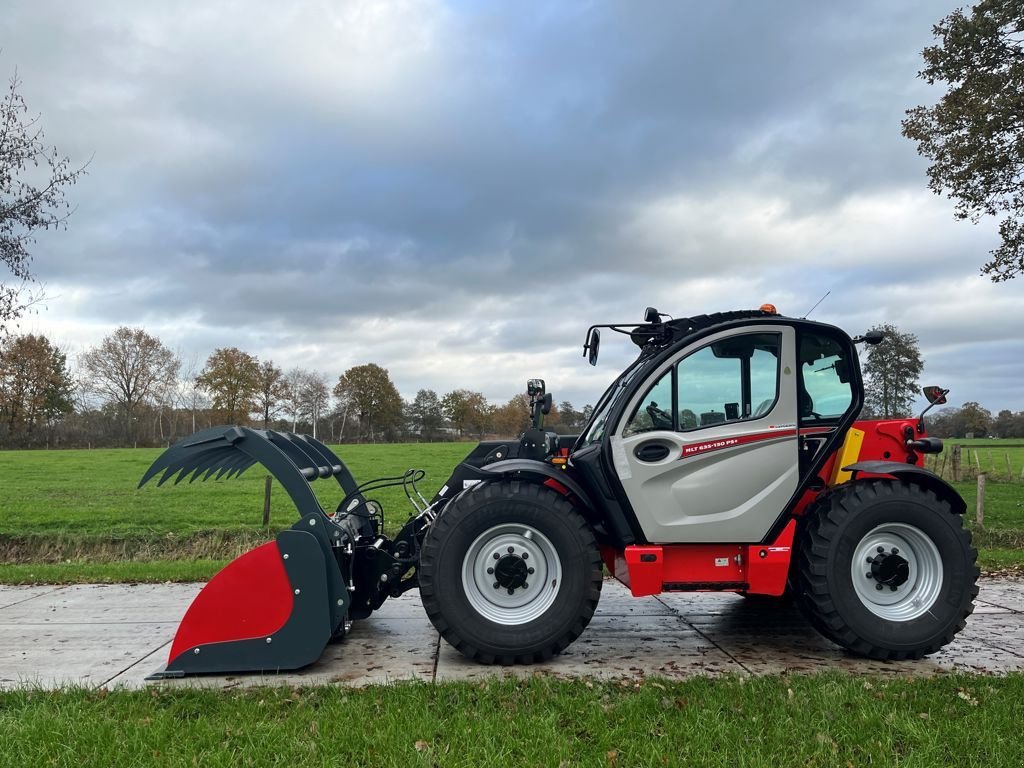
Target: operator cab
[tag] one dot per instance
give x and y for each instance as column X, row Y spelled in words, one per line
column 719, row 423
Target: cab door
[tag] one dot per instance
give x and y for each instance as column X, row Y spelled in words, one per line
column 707, row 448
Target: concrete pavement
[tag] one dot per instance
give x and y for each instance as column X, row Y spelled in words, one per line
column 115, row 635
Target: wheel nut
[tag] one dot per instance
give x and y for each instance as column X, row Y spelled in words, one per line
column 878, row 586
column 895, row 551
column 893, row 588
column 881, row 550
column 511, row 550
column 529, row 570
column 511, row 591
column 871, row 560
column 525, row 555
column 490, row 571
column 497, row 556
column 525, row 585
column 868, row 574
column 497, row 585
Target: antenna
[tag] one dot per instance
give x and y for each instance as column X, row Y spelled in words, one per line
column 808, row 312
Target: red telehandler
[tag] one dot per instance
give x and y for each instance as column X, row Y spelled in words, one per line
column 728, row 456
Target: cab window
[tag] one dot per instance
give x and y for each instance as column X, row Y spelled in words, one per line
column 825, row 391
column 735, row 379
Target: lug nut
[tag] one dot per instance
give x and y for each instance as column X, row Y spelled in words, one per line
column 529, row 570
column 525, row 555
column 881, row 550
column 497, row 585
column 490, row 571
column 868, row 574
column 497, row 556
column 511, row 550
column 525, row 585
column 893, row 588
column 878, row 586
column 895, row 551
column 871, row 560
column 511, row 591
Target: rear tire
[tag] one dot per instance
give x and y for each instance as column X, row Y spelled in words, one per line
column 886, row 570
column 510, row 573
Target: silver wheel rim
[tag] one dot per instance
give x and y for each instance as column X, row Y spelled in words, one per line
column 540, row 566
column 911, row 598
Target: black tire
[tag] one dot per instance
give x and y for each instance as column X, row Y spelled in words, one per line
column 940, row 577
column 457, row 548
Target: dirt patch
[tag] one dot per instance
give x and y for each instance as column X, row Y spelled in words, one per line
column 206, row 545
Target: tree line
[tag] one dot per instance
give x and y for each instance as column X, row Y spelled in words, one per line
column 132, row 390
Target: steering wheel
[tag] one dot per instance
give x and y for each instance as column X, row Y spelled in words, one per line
column 659, row 419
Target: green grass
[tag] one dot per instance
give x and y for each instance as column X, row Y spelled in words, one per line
column 824, row 720
column 77, row 499
column 79, row 513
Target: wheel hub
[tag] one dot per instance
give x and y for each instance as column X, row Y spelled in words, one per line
column 510, row 572
column 897, row 572
column 890, row 569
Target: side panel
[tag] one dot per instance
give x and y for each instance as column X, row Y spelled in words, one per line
column 725, row 482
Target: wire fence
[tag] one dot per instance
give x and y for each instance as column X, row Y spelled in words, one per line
column 960, row 463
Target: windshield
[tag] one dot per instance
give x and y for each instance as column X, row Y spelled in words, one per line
column 597, row 427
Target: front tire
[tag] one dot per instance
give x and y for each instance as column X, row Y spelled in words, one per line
column 886, row 570
column 510, row 573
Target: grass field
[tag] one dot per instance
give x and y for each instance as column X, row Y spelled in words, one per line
column 77, row 515
column 823, row 720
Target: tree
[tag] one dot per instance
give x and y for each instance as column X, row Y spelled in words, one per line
column 231, row 377
column 892, row 370
column 270, row 391
column 974, row 135
column 315, row 398
column 426, row 415
column 468, row 411
column 33, row 179
column 368, row 390
column 974, row 420
column 128, row 368
column 35, row 385
column 513, row 418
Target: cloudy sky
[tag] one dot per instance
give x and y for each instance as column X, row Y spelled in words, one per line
column 457, row 190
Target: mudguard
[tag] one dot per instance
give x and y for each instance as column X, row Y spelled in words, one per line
column 913, row 474
column 541, row 471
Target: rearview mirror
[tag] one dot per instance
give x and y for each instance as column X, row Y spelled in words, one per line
column 593, row 346
column 935, row 395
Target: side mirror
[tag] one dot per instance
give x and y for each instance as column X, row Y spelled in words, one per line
column 871, row 337
column 593, row 346
column 935, row 396
column 652, row 316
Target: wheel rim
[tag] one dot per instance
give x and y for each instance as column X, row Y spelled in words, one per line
column 523, row 564
column 897, row 572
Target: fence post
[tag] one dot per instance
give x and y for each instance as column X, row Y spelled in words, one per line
column 980, row 514
column 954, row 463
column 266, row 500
